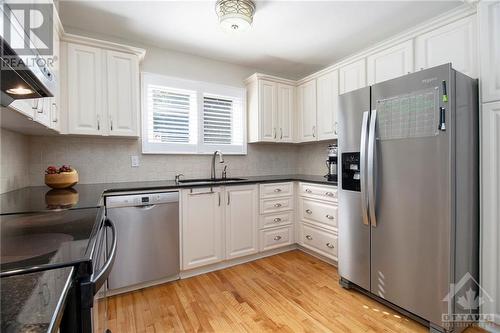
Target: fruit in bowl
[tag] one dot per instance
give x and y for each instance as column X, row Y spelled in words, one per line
column 62, row 177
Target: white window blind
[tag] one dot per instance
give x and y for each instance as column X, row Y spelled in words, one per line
column 217, row 120
column 169, row 114
column 190, row 117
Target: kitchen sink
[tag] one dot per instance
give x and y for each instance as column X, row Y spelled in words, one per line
column 209, row 180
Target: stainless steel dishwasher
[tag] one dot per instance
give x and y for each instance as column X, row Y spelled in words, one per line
column 147, row 232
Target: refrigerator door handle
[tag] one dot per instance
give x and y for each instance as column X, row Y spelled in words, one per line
column 362, row 165
column 371, row 168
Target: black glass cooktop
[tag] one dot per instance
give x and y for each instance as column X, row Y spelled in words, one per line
column 34, row 241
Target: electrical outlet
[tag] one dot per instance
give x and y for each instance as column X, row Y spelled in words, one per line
column 135, row 161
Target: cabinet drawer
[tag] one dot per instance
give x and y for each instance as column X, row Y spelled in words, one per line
column 274, row 190
column 276, row 205
column 318, row 240
column 314, row 191
column 273, row 238
column 317, row 212
column 275, row 220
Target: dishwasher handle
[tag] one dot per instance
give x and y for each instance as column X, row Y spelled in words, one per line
column 98, row 278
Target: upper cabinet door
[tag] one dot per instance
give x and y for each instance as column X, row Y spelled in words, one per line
column 352, row 76
column 122, row 89
column 455, row 43
column 489, row 39
column 390, row 63
column 85, row 83
column 242, row 212
column 267, row 109
column 327, row 99
column 307, row 111
column 286, row 105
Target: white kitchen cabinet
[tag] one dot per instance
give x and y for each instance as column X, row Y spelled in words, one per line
column 201, row 227
column 102, row 91
column 122, row 93
column 285, row 116
column 489, row 41
column 271, row 104
column 268, row 110
column 352, row 76
column 327, row 105
column 390, row 63
column 85, row 90
column 306, row 103
column 42, row 107
column 455, row 42
column 490, row 213
column 242, row 213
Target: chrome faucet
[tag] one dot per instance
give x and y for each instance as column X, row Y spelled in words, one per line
column 221, row 160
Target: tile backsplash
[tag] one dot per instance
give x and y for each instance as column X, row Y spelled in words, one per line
column 14, row 160
column 100, row 160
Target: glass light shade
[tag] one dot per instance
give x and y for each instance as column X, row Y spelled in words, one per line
column 19, row 91
column 235, row 22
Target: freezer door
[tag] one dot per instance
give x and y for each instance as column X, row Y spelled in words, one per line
column 409, row 190
column 354, row 230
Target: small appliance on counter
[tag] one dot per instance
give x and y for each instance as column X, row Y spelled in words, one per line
column 331, row 163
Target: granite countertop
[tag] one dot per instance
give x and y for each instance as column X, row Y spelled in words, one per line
column 34, row 302
column 41, row 198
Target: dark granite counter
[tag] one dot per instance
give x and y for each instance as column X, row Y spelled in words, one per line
column 42, row 198
column 34, row 302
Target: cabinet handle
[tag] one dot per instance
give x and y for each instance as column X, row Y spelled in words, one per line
column 277, row 219
column 281, row 130
column 329, row 194
column 277, row 205
column 54, row 113
column 308, row 211
column 111, row 123
column 330, row 217
column 277, row 238
column 314, row 131
column 309, row 237
column 228, row 198
column 335, row 128
column 274, row 130
column 98, row 123
column 330, row 245
column 308, row 190
column 277, row 190
column 219, row 197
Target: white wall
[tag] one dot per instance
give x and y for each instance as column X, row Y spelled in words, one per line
column 14, row 161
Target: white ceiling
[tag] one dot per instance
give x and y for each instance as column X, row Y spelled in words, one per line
column 289, row 38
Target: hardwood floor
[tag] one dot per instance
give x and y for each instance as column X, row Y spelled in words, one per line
column 289, row 292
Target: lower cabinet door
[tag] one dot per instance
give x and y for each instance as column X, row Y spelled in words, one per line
column 201, row 227
column 242, row 212
column 277, row 237
column 318, row 240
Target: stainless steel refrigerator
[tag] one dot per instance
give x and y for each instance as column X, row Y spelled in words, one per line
column 408, row 192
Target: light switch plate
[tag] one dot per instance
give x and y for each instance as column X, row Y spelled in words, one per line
column 134, row 159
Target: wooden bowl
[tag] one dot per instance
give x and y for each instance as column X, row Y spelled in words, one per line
column 62, row 180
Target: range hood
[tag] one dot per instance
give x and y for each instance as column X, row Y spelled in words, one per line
column 24, row 77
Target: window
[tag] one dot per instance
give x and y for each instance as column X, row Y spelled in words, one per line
column 189, row 117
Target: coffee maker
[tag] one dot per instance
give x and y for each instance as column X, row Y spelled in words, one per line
column 331, row 163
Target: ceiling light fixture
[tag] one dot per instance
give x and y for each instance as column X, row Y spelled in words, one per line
column 19, row 91
column 235, row 15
